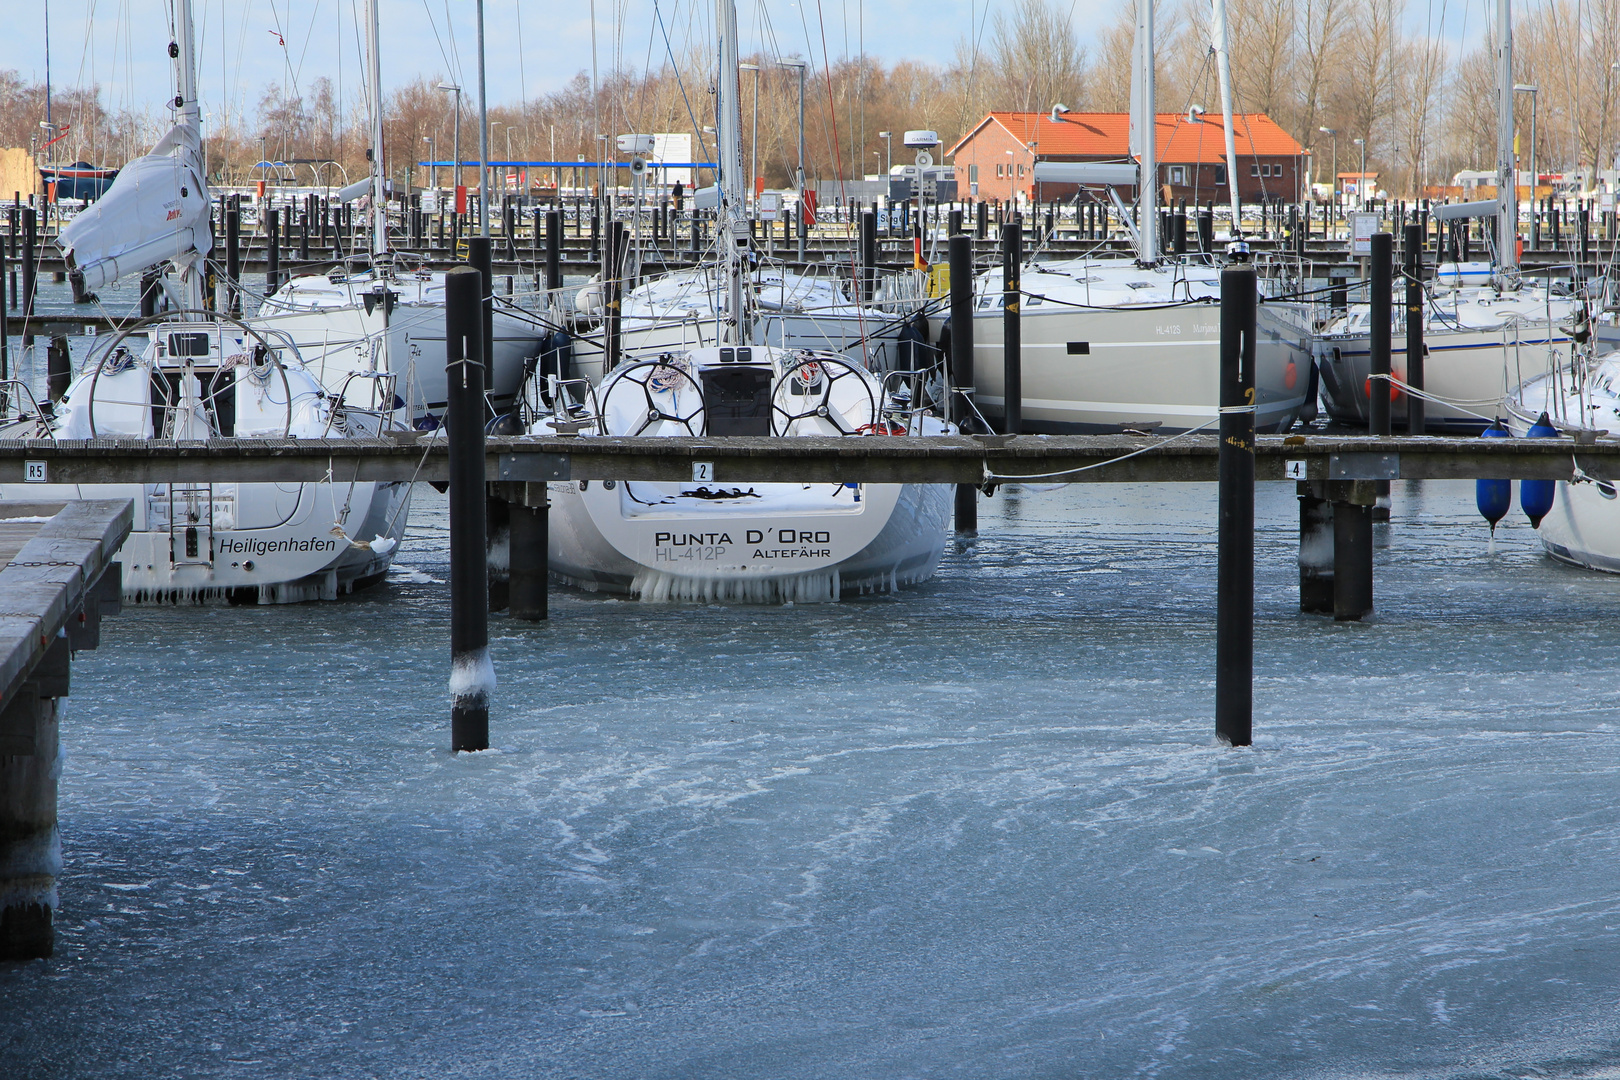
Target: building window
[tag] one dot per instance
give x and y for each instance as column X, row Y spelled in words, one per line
column 1220, row 176
column 1020, row 170
column 1254, row 170
column 1178, row 175
column 998, row 172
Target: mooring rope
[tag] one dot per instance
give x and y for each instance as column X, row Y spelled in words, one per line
column 1459, row 405
column 1001, row 478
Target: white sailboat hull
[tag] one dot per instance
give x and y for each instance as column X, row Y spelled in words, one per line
column 1095, row 370
column 1475, row 369
column 790, row 544
column 259, row 543
column 1583, row 526
column 337, row 341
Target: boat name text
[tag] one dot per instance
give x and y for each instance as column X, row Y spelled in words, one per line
column 253, row 546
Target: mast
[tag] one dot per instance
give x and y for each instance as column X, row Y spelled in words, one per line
column 185, row 69
column 483, row 133
column 188, row 115
column 728, row 126
column 379, row 195
column 1223, row 64
column 1507, row 175
column 1144, row 123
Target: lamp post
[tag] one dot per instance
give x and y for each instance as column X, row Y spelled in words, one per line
column 1361, row 177
column 433, row 165
column 452, row 88
column 801, row 65
column 888, row 153
column 496, row 124
column 1535, row 178
column 1335, row 134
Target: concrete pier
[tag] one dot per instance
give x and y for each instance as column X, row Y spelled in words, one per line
column 54, row 588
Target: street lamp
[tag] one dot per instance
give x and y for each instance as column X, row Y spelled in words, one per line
column 1535, row 179
column 1361, row 177
column 888, row 153
column 433, row 165
column 452, row 88
column 1334, row 132
column 496, row 124
column 802, row 66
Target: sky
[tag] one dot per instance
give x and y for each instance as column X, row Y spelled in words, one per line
column 533, row 46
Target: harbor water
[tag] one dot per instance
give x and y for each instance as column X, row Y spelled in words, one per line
column 978, row 829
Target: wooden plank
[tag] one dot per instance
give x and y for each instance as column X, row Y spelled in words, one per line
column 945, row 459
column 46, row 581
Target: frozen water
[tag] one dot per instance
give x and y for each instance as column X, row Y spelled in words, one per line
column 979, row 828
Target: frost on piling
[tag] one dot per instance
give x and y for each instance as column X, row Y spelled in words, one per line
column 472, row 676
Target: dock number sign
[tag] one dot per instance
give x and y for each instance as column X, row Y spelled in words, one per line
column 34, row 472
column 702, row 472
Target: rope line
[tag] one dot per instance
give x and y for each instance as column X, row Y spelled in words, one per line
column 997, row 478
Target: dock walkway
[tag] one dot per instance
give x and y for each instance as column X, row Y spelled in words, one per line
column 57, row 581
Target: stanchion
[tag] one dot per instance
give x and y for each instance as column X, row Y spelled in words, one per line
column 1380, row 316
column 868, row 255
column 272, row 256
column 1415, row 421
column 1012, row 261
column 553, row 252
column 233, row 260
column 472, row 676
column 960, row 374
column 530, row 539
column 1234, row 605
column 30, row 271
column 479, row 256
column 1352, row 548
column 1315, row 550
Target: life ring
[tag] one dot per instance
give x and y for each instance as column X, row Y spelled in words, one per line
column 881, row 428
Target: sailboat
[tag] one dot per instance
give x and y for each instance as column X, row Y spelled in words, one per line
column 1581, row 526
column 1117, row 343
column 1486, row 328
column 189, row 373
column 712, row 541
column 379, row 315
column 791, row 310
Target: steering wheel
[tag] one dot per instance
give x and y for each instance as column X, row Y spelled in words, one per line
column 655, row 379
column 814, row 377
column 269, row 352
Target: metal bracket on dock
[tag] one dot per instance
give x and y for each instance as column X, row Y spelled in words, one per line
column 1359, row 466
column 528, row 467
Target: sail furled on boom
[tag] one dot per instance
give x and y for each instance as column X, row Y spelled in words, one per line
column 156, row 211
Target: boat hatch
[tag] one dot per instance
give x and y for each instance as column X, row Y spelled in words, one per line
column 737, row 400
column 190, row 344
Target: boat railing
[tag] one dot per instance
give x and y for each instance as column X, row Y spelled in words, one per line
column 384, row 404
column 567, row 403
column 18, row 405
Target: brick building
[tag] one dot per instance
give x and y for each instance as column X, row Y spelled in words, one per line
column 996, row 160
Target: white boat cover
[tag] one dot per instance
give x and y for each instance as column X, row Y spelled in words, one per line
column 156, row 210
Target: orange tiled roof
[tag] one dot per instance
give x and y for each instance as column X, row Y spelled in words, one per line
column 1095, row 135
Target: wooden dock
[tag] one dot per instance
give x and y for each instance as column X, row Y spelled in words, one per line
column 57, row 581
column 975, row 460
